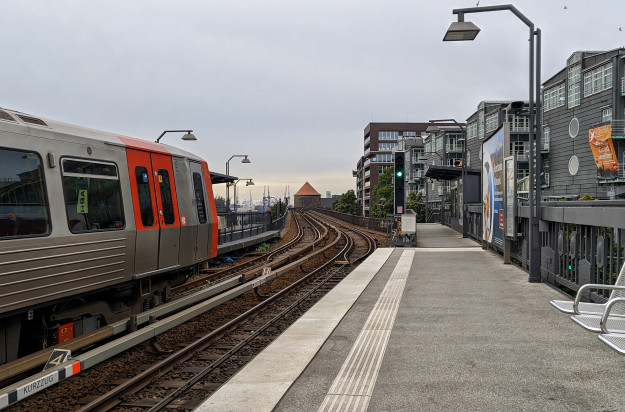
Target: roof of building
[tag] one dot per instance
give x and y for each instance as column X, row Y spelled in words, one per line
column 307, row 190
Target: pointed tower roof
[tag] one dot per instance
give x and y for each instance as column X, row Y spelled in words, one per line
column 307, row 190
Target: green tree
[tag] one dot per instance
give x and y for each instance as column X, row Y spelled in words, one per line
column 383, row 194
column 416, row 203
column 346, row 204
column 220, row 202
column 278, row 210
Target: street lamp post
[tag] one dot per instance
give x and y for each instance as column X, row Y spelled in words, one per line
column 228, row 184
column 188, row 136
column 463, row 131
column 248, row 183
column 461, row 30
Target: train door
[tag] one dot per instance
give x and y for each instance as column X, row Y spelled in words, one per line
column 167, row 206
column 200, row 203
column 144, row 205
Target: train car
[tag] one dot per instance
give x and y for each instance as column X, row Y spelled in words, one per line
column 94, row 227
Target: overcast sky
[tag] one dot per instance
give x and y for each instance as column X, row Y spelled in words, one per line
column 292, row 83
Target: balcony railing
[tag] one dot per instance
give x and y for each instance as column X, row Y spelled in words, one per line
column 454, row 148
column 367, row 151
column 618, row 129
column 367, row 140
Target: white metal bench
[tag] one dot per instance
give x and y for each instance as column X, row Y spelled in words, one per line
column 576, row 307
column 613, row 332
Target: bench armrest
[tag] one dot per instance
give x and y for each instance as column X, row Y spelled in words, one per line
column 606, row 313
column 581, row 291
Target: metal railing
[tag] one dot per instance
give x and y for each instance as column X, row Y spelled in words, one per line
column 380, row 225
column 581, row 242
column 237, row 226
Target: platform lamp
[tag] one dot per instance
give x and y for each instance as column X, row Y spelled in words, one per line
column 462, row 30
column 188, row 136
column 228, row 184
column 249, row 182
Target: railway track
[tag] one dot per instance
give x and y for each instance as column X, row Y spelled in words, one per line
column 195, row 358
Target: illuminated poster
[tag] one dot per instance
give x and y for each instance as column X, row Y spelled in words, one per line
column 510, row 209
column 600, row 139
column 493, row 188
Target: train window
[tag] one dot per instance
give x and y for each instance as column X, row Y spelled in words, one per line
column 198, row 188
column 23, row 200
column 166, row 197
column 145, row 199
column 93, row 197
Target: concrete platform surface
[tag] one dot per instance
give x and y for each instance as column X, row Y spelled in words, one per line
column 446, row 326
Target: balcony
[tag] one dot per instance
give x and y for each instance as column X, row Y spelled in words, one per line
column 454, row 148
column 367, row 163
column 367, row 151
column 367, row 141
column 618, row 129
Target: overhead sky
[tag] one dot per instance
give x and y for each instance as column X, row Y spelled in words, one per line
column 291, row 83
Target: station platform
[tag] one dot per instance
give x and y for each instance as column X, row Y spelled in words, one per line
column 444, row 326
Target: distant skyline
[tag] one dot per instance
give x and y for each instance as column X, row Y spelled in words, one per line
column 291, row 84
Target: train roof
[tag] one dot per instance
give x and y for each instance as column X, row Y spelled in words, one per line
column 8, row 116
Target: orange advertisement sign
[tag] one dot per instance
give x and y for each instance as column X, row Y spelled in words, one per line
column 600, row 139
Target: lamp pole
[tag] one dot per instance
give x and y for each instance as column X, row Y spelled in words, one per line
column 461, row 30
column 248, row 183
column 188, row 136
column 228, row 184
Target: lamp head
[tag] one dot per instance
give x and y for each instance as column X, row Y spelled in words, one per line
column 461, row 31
column 246, row 160
column 189, row 136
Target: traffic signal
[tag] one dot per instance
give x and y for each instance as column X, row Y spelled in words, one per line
column 399, row 182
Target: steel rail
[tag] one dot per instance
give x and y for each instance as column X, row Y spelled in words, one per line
column 111, row 398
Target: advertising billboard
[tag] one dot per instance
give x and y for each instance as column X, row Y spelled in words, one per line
column 600, row 140
column 493, row 152
column 510, row 200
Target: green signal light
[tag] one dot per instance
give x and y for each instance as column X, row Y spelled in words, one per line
column 399, row 173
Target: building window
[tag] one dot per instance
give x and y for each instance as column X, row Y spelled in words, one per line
column 23, row 200
column 518, row 148
column 518, row 123
column 387, row 147
column 575, row 80
column 386, row 135
column 521, row 173
column 553, row 97
column 93, row 198
column 472, row 130
column 492, row 121
column 382, row 158
column 410, row 134
column 598, row 79
column 480, row 124
column 606, row 114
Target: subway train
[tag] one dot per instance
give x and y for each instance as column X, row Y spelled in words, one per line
column 94, row 227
